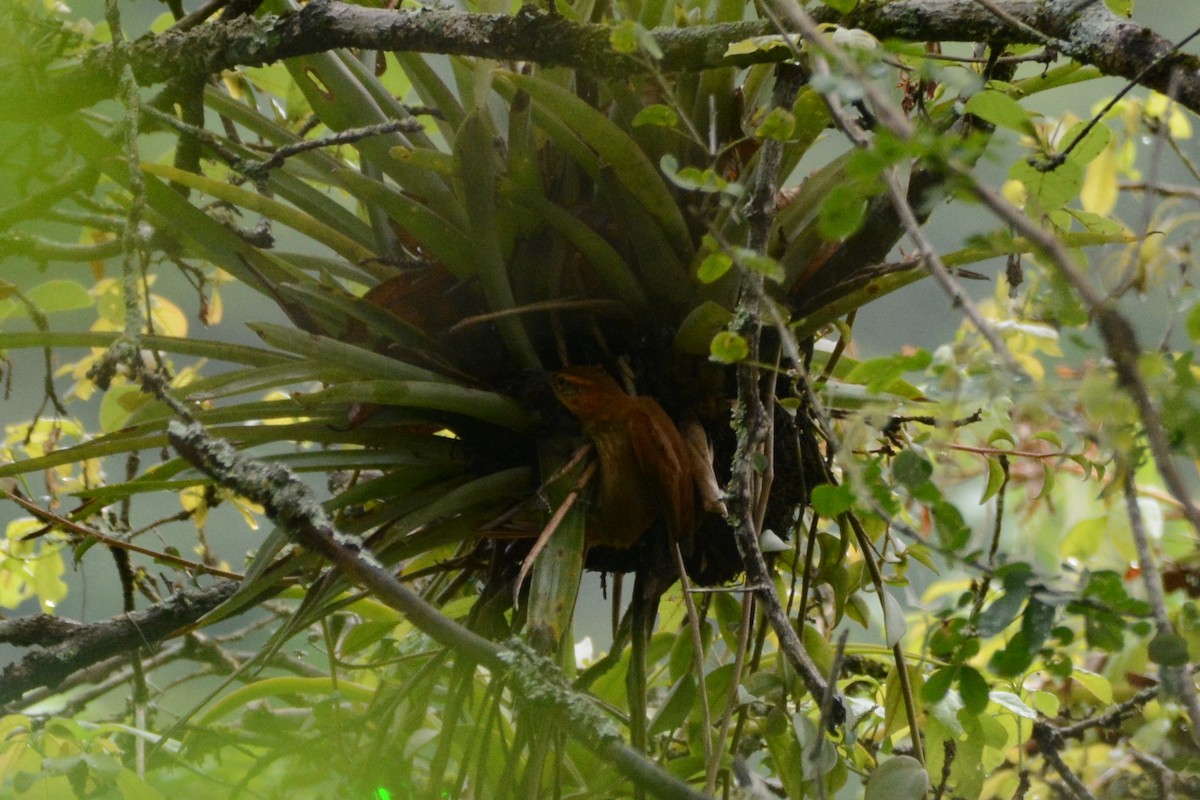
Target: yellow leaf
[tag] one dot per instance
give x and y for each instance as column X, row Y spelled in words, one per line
column 47, row 578
column 1099, row 192
column 168, row 318
column 1014, row 192
column 1158, row 106
column 216, row 309
column 192, row 500
column 249, row 511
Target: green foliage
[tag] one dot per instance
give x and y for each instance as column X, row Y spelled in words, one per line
column 963, row 514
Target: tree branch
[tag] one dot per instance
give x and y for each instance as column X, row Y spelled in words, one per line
column 88, row 644
column 1091, row 35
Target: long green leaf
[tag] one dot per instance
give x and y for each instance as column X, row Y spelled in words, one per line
column 345, row 357
column 555, row 575
column 274, row 687
column 379, row 322
column 201, row 348
column 619, row 152
column 295, row 219
column 383, row 97
column 341, row 101
column 443, row 240
column 610, row 267
column 476, row 403
column 857, row 291
column 477, row 159
column 152, row 435
column 426, row 460
column 209, row 238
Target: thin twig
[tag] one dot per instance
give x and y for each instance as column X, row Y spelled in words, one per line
column 1048, row 742
column 731, row 705
column 997, row 524
column 710, row 760
column 560, row 514
column 58, row 521
column 1177, row 677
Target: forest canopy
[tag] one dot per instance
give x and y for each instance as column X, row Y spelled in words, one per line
column 469, row 400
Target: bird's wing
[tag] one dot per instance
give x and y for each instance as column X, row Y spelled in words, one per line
column 662, row 456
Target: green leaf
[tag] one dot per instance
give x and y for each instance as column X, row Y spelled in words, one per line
column 209, row 238
column 938, row 684
column 59, row 295
column 274, row 687
column 1038, row 621
column 755, row 44
column 1013, row 703
column 1097, row 685
column 894, row 624
column 610, row 266
column 1049, row 190
column 1122, row 8
column 657, row 115
column 200, row 348
column 558, row 568
column 132, row 786
column 698, row 328
column 623, row 37
column 295, row 219
column 338, row 354
column 476, row 403
column 880, row 374
column 675, row 709
column 344, row 95
column 1045, row 703
column 119, row 403
column 1193, row 323
column 858, row 610
column 1002, row 111
column 1091, row 145
column 952, row 530
column 995, row 480
column 1168, row 649
column 779, row 125
column 648, row 43
column 728, row 348
column 832, row 501
column 713, row 267
column 842, row 212
column 911, row 469
column 764, row 265
column 973, row 689
column 694, row 179
column 996, row 617
column 898, row 778
column 475, row 151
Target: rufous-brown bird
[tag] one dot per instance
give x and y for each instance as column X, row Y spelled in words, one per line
column 645, row 472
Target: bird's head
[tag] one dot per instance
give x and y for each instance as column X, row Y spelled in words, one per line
column 586, row 391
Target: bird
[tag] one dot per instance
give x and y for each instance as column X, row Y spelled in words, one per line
column 645, row 471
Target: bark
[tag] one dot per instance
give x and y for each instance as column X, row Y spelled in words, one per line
column 1085, row 31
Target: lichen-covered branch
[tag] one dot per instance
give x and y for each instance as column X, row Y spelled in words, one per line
column 1086, row 32
column 750, row 415
column 86, row 645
